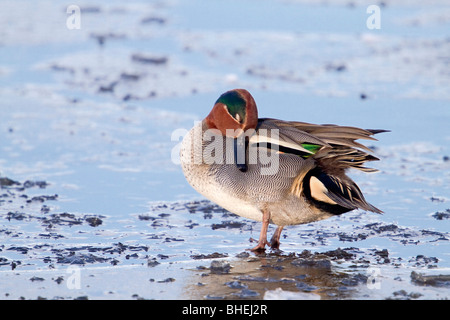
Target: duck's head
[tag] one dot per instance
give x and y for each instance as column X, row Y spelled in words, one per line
column 235, row 110
column 233, row 114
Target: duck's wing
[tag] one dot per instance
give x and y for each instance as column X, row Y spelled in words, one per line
column 271, row 133
column 331, row 145
column 334, row 149
column 333, row 134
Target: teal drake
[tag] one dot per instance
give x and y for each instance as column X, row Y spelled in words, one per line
column 274, row 171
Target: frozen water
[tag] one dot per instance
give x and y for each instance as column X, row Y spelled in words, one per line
column 91, row 112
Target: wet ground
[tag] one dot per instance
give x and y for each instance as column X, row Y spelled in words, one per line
column 92, row 205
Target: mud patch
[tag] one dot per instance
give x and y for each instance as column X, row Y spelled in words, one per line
column 441, row 215
column 253, row 277
column 440, row 280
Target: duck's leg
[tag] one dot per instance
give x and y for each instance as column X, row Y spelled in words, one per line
column 261, row 246
column 275, row 240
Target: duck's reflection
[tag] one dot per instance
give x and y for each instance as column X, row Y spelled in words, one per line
column 272, row 276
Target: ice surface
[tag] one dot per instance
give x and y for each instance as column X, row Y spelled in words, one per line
column 91, row 112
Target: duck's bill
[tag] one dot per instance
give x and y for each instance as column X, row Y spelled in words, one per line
column 239, row 153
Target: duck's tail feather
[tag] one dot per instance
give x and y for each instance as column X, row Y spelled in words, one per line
column 335, row 194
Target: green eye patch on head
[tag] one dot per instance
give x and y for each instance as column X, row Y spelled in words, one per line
column 236, row 105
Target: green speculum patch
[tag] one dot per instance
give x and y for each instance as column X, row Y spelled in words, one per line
column 311, row 148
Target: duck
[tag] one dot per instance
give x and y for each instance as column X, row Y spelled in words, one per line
column 274, row 171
